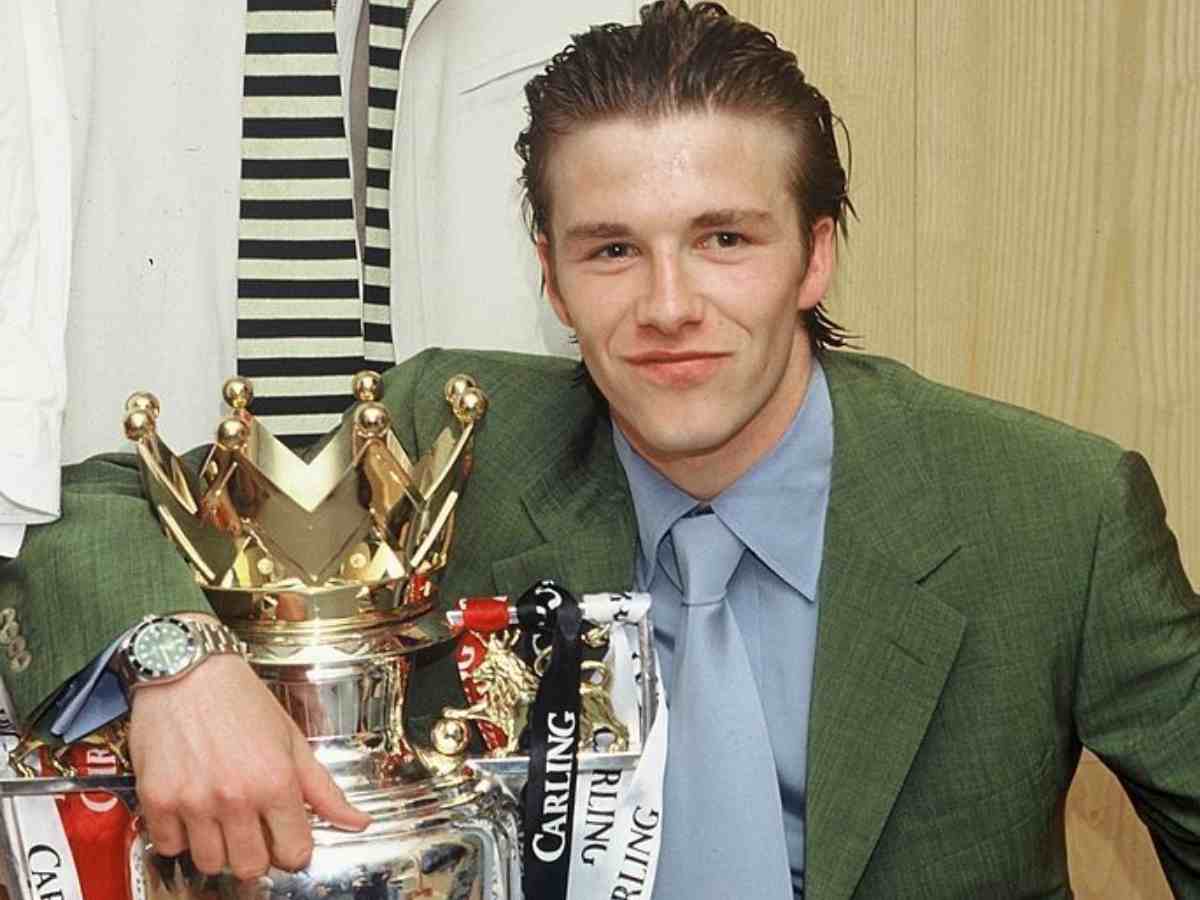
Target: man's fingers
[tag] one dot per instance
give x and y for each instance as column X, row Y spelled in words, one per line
column 323, row 794
column 291, row 836
column 166, row 833
column 206, row 844
column 246, row 847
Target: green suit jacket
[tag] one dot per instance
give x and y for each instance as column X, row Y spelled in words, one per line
column 997, row 591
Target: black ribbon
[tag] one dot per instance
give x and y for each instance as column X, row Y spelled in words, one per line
column 553, row 741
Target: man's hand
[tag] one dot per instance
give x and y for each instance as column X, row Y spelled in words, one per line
column 223, row 771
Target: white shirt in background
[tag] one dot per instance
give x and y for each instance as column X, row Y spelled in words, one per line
column 35, row 259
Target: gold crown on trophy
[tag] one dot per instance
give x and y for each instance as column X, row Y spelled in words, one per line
column 351, row 534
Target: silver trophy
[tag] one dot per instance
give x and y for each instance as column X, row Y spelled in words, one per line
column 327, row 570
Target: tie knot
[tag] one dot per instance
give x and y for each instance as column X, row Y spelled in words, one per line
column 707, row 552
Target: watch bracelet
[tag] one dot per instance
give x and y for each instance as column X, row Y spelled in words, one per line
column 218, row 638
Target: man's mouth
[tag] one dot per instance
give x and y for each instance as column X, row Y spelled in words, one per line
column 677, row 368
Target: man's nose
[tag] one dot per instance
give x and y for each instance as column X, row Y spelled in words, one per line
column 669, row 301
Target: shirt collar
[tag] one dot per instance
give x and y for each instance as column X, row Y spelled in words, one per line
column 657, row 503
column 777, row 508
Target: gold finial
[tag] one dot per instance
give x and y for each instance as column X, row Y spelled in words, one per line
column 470, row 405
column 232, row 434
column 457, row 386
column 449, row 737
column 139, row 424
column 372, row 420
column 238, row 392
column 367, row 386
column 144, row 401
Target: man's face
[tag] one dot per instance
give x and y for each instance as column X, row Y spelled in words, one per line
column 676, row 256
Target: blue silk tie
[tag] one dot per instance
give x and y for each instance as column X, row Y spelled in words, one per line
column 723, row 820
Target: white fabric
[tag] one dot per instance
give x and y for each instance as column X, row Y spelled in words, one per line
column 153, row 92
column 34, row 260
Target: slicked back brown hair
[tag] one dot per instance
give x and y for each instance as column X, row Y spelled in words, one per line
column 684, row 59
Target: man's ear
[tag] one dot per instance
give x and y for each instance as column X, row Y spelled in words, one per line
column 550, row 282
column 821, row 262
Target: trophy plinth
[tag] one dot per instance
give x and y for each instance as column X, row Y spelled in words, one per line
column 327, row 570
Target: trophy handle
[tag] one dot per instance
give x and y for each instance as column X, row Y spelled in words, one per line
column 120, row 786
column 110, row 738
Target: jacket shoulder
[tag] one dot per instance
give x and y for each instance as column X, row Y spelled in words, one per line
column 959, row 427
column 536, row 404
column 434, row 366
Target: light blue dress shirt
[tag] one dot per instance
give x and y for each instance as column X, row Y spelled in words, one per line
column 777, row 509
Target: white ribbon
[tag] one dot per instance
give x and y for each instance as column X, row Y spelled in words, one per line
column 618, row 812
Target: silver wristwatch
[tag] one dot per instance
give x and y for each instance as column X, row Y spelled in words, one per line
column 162, row 649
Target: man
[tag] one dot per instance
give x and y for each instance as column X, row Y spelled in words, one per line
column 938, row 599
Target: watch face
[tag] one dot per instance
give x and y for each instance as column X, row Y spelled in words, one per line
column 162, row 648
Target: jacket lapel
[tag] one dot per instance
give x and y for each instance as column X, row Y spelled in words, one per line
column 885, row 641
column 581, row 507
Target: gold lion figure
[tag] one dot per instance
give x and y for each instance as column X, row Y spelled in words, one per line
column 508, row 686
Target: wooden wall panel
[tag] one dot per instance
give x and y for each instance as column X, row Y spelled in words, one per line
column 1110, row 853
column 860, row 56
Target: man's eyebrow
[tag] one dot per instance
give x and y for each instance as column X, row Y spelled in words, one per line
column 727, row 218
column 713, row 218
column 590, row 231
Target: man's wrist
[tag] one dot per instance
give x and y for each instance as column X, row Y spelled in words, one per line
column 163, row 649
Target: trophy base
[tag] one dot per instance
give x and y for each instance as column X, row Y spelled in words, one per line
column 449, row 837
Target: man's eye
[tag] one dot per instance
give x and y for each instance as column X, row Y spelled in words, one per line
column 726, row 240
column 615, row 251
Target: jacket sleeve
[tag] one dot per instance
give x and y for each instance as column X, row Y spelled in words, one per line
column 80, row 582
column 1136, row 701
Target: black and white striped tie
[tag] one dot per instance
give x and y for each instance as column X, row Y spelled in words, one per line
column 388, row 19
column 303, row 327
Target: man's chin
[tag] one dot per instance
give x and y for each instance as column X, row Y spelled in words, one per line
column 673, row 444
